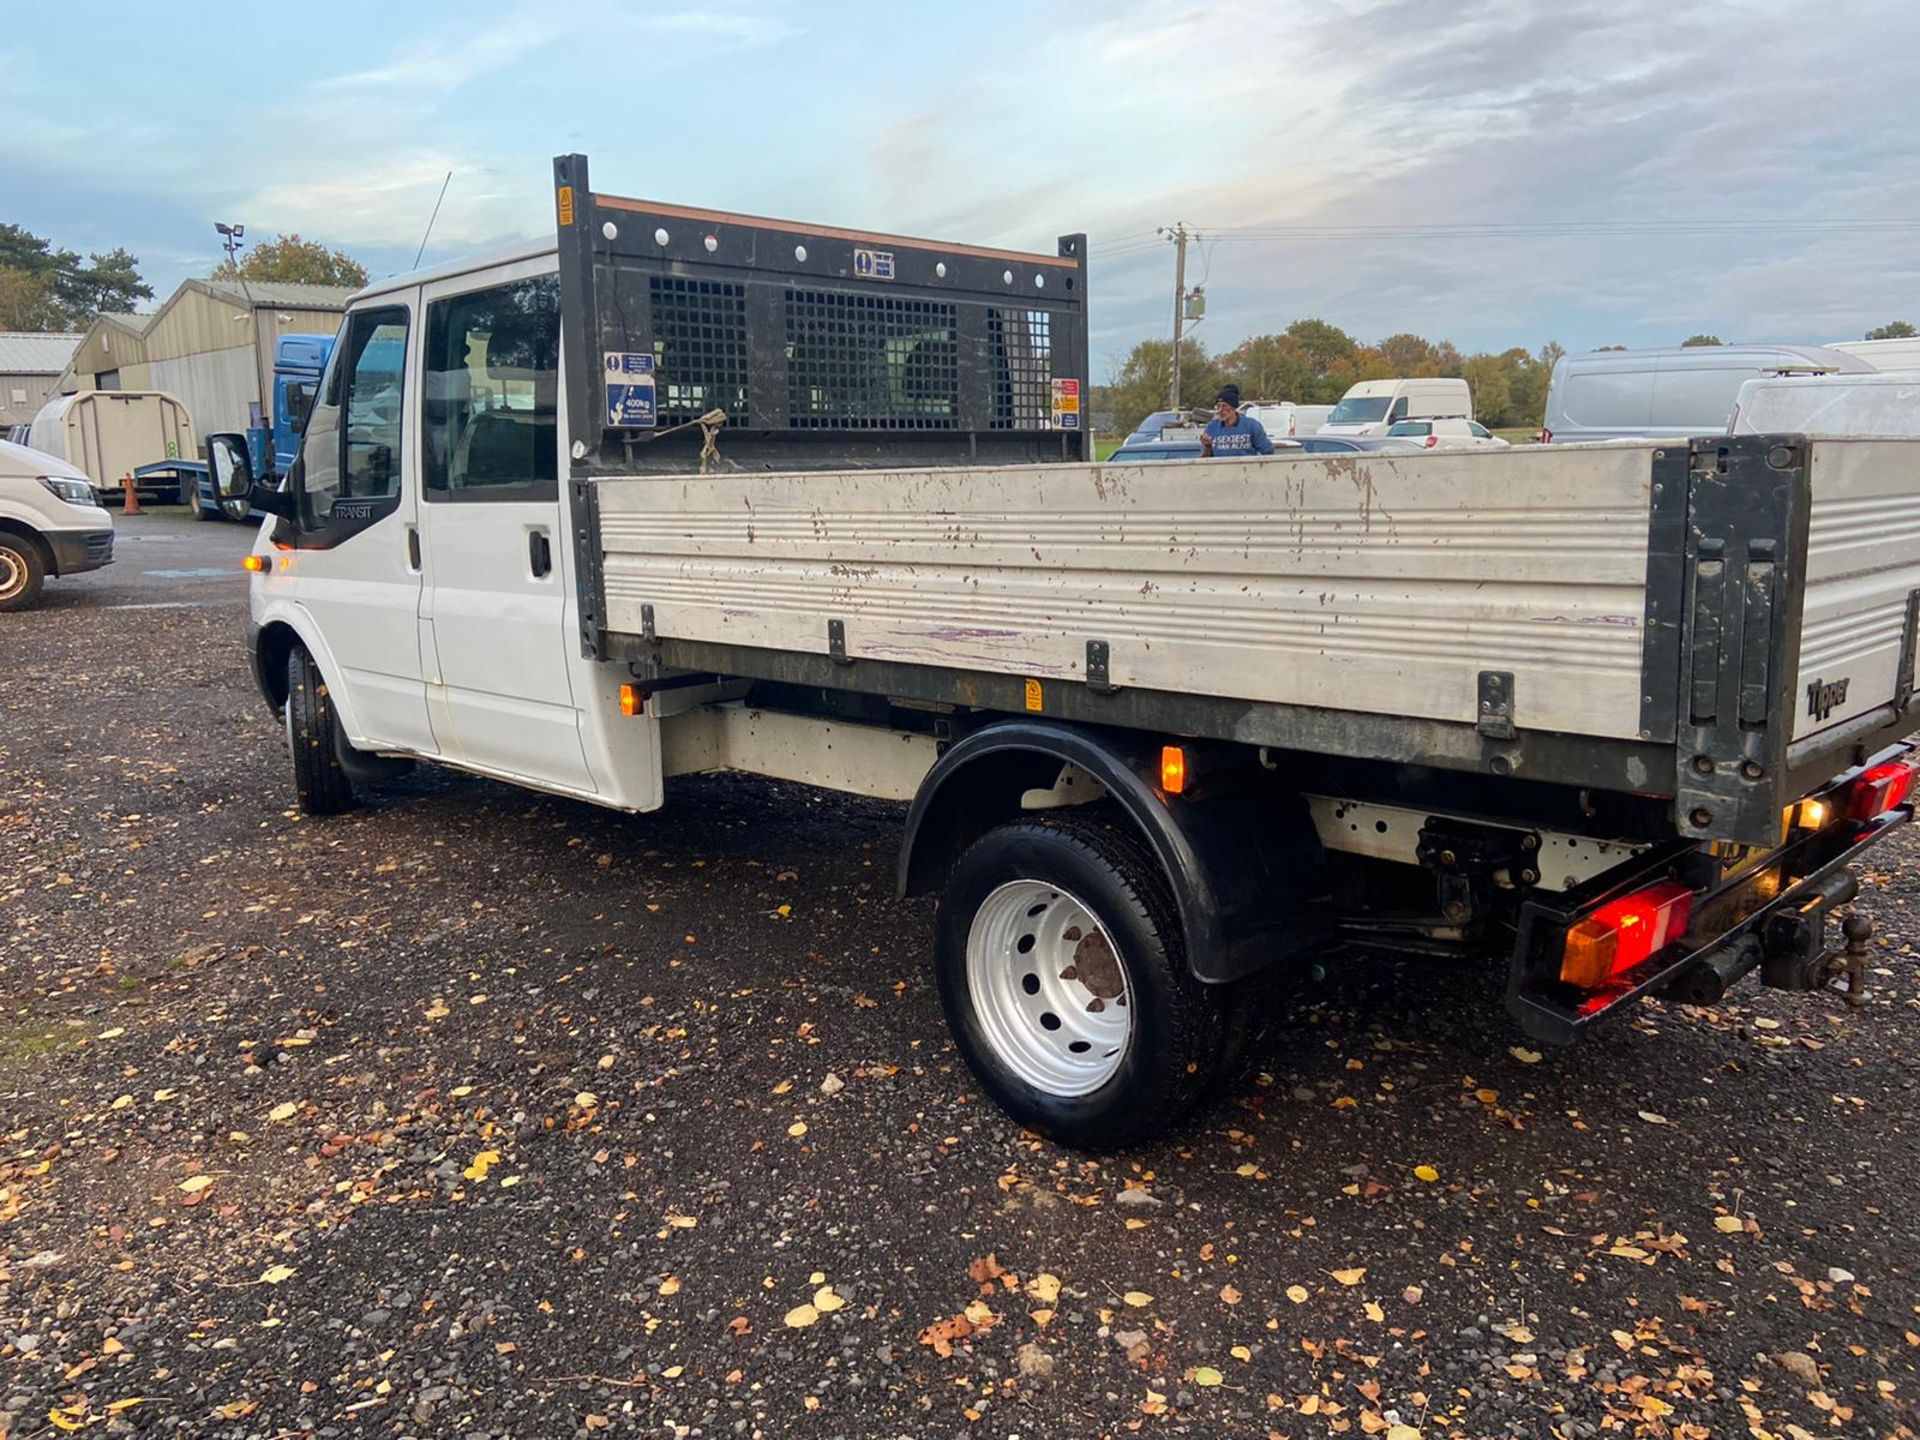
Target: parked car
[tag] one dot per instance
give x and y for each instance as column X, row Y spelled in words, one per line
column 1154, row 448
column 1447, row 433
column 1159, row 420
column 1883, row 406
column 1669, row 394
column 1356, row 445
column 1370, row 407
column 49, row 524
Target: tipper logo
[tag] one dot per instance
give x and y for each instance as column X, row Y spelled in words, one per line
column 1826, row 696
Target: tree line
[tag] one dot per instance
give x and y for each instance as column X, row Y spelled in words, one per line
column 1312, row 362
column 47, row 288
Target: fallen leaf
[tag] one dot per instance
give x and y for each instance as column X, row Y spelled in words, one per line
column 1349, row 1277
column 1728, row 1224
column 276, row 1274
column 1241, row 1353
column 1524, row 1055
column 826, row 1302
column 670, row 1285
column 1229, row 1295
column 1375, row 1313
column 194, row 1184
column 1426, row 1172
column 683, row 1222
column 1044, row 1287
column 802, row 1316
column 797, row 1129
column 1297, row 1294
column 1651, row 1118
column 986, row 1269
column 1208, row 1376
column 482, row 1163
column 1139, row 1299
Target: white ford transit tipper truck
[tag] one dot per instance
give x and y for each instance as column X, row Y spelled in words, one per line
column 686, row 491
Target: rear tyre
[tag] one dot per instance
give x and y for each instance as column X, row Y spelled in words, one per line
column 314, row 741
column 1062, row 969
column 23, row 570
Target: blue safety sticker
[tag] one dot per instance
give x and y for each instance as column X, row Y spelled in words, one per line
column 873, row 264
column 630, row 391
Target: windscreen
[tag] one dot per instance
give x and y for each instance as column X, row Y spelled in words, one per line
column 1360, row 410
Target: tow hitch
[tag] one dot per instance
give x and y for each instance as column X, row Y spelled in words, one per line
column 1794, row 955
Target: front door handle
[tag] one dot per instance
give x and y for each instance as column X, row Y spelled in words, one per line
column 539, row 554
column 413, row 546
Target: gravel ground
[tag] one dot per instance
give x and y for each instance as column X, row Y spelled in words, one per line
column 476, row 1113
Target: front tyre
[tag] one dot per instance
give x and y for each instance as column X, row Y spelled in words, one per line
column 1062, row 970
column 23, row 570
column 320, row 784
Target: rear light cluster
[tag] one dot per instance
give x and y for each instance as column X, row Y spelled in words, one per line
column 1623, row 932
column 1879, row 788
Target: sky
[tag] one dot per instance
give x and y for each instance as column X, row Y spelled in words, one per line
column 1493, row 172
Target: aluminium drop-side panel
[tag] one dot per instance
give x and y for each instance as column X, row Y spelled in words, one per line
column 1863, row 564
column 1375, row 584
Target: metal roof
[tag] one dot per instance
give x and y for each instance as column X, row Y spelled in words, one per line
column 268, row 294
column 35, row 352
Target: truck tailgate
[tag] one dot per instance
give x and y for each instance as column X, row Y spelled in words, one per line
column 1857, row 632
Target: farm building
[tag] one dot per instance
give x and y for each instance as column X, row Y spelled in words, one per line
column 30, row 366
column 211, row 344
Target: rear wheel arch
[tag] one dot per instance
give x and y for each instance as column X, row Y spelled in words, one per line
column 1243, row 862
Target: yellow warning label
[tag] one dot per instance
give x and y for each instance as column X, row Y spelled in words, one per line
column 566, row 204
column 1033, row 695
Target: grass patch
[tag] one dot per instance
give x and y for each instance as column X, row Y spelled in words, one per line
column 31, row 1041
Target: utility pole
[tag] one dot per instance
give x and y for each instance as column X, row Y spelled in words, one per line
column 1179, row 235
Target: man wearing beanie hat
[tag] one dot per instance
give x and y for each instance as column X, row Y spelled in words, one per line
column 1231, row 435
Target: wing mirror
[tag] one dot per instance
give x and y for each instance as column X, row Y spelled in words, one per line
column 230, row 467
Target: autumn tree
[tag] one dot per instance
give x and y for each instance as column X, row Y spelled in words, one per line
column 1139, row 386
column 1694, row 342
column 1892, row 330
column 290, row 260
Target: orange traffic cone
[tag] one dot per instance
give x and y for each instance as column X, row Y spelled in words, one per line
column 132, row 494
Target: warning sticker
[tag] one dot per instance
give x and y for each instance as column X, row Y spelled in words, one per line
column 1066, row 404
column 1035, row 701
column 873, row 264
column 630, row 397
column 565, row 197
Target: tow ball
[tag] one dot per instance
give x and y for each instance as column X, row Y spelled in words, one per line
column 1795, row 956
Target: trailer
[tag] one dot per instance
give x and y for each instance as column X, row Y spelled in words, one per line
column 120, row 437
column 690, row 491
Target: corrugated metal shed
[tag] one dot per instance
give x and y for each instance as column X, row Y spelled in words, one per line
column 35, row 352
column 112, row 343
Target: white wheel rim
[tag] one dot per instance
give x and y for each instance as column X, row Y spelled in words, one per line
column 13, row 575
column 1049, row 988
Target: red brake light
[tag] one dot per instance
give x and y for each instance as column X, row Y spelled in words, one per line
column 1879, row 789
column 1432, row 440
column 1546, row 436
column 1619, row 935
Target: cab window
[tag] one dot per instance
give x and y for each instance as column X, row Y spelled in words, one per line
column 351, row 450
column 491, row 427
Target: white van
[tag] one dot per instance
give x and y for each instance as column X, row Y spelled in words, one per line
column 1373, row 406
column 109, row 434
column 49, row 524
column 1903, row 354
column 1668, row 394
column 1882, row 406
